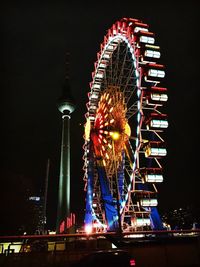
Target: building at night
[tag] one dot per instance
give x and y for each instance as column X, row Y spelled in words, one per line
column 37, row 205
column 182, row 218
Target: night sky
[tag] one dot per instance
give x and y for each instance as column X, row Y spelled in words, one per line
column 34, row 41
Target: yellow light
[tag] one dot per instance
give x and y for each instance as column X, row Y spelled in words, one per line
column 87, row 130
column 88, row 229
column 115, row 135
column 127, row 129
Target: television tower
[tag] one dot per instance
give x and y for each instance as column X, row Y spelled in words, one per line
column 66, row 106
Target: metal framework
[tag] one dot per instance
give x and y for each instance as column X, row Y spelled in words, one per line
column 124, row 145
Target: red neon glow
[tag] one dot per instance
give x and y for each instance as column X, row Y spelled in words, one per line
column 62, row 227
column 132, row 262
column 68, row 222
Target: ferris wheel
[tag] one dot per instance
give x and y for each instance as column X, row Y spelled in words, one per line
column 124, row 144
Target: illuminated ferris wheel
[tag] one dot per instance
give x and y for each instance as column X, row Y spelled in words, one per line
column 124, row 145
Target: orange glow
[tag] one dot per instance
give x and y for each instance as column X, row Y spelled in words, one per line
column 87, row 130
column 115, row 135
column 112, row 124
column 127, row 129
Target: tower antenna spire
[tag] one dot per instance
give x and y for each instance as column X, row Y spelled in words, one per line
column 67, row 66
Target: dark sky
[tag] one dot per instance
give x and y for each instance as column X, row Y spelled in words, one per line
column 34, row 40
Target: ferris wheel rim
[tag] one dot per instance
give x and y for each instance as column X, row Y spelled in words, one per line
column 111, row 39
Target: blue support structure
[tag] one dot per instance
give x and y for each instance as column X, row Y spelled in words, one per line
column 90, row 181
column 156, row 220
column 108, row 202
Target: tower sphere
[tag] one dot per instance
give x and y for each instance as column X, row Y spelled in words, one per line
column 66, row 105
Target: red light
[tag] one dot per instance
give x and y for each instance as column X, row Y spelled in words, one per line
column 132, row 262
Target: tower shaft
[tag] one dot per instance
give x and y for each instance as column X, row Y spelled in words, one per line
column 63, row 211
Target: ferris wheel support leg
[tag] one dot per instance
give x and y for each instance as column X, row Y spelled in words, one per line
column 156, row 220
column 108, row 202
column 89, row 195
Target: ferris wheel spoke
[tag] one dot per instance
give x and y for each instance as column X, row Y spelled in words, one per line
column 116, row 66
column 122, row 70
column 132, row 110
column 130, row 86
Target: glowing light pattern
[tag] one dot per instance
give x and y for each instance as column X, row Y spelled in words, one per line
column 87, row 130
column 159, row 97
column 159, row 123
column 154, row 178
column 147, row 202
column 152, row 53
column 88, row 229
column 122, row 88
column 110, row 125
column 155, row 149
column 157, row 120
column 139, row 222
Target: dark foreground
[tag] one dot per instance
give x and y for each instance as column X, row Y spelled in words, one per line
column 163, row 250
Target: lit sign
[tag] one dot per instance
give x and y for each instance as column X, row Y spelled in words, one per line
column 34, row 198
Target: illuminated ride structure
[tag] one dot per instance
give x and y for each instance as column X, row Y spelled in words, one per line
column 124, row 146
